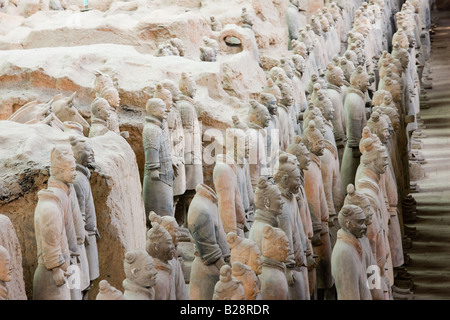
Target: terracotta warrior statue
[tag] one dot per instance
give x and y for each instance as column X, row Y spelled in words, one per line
column 258, row 119
column 228, row 288
column 49, row 226
column 84, row 156
column 176, row 143
column 287, row 178
column 335, row 82
column 100, row 113
column 108, row 292
column 231, row 208
column 5, row 272
column 268, row 205
column 249, row 280
column 170, row 224
column 192, row 137
column 298, row 149
column 374, row 162
column 140, row 275
column 237, row 148
column 157, row 189
column 369, row 240
column 275, row 250
column 354, row 107
column 347, row 258
column 210, row 243
column 111, row 95
column 160, row 247
column 315, row 194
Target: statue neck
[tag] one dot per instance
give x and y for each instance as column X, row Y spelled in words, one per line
column 161, row 265
column 266, row 216
column 274, row 264
column 132, row 286
column 53, row 182
column 84, row 170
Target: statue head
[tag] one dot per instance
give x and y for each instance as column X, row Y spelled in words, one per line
column 335, row 75
column 268, row 197
column 313, row 139
column 325, row 105
column 299, row 48
column 258, row 114
column 169, row 223
column 352, row 219
column 111, row 95
column 62, row 164
column 159, row 243
column 359, row 199
column 100, row 109
column 379, row 126
column 82, row 150
column 102, row 81
column 269, row 101
column 156, row 108
column 245, row 251
column 299, row 63
column 374, row 157
column 287, row 95
column 228, row 288
column 298, row 149
column 238, row 124
column 5, row 265
column 275, row 244
column 173, row 88
column 347, row 67
column 108, row 292
column 139, row 268
column 273, row 89
column 360, row 79
column 187, row 85
column 318, row 119
column 287, row 176
column 378, row 96
column 164, row 94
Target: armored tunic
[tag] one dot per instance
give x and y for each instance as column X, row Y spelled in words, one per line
column 158, row 193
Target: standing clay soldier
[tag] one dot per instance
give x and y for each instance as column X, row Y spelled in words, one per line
column 111, row 95
column 140, row 275
column 347, row 258
column 335, row 81
column 210, row 243
column 258, row 118
column 108, row 292
column 315, row 194
column 369, row 240
column 100, row 113
column 158, row 178
column 192, row 136
column 160, row 247
column 5, row 272
column 228, row 288
column 269, row 204
column 237, row 148
column 49, row 225
column 84, row 156
column 273, row 128
column 354, row 107
column 231, row 208
column 171, row 225
column 250, row 282
column 287, row 178
column 176, row 141
column 275, row 250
